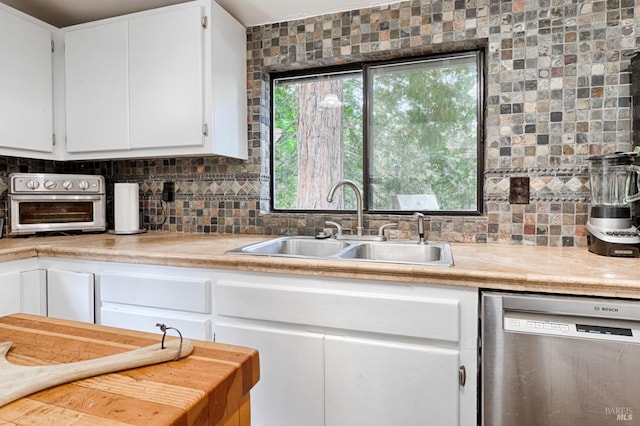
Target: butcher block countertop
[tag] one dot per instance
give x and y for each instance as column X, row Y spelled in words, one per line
column 497, row 266
column 209, row 387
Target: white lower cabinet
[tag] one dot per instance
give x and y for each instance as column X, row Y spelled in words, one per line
column 33, row 292
column 136, row 297
column 70, row 295
column 291, row 387
column 373, row 382
column 27, row 286
column 348, row 352
column 139, row 301
column 23, row 291
column 333, row 351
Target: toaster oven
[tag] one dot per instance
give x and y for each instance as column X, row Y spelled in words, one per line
column 47, row 203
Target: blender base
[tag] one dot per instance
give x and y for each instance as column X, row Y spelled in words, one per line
column 607, row 248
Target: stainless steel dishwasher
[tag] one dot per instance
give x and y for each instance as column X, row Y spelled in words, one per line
column 552, row 360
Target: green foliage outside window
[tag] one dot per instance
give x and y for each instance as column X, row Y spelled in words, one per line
column 422, row 135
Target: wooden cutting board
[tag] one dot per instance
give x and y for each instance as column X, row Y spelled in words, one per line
column 17, row 381
column 209, row 387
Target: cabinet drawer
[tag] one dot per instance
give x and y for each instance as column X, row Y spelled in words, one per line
column 191, row 326
column 175, row 293
column 413, row 316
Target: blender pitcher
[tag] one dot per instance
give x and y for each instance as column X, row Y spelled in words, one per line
column 613, row 179
column 614, row 186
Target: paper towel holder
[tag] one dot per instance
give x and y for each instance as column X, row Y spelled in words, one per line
column 126, row 215
column 137, row 231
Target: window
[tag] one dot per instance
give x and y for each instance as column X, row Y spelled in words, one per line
column 408, row 133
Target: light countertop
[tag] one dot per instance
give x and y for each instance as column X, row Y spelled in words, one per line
column 521, row 268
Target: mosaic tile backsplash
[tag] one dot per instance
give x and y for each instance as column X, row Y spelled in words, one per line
column 557, row 86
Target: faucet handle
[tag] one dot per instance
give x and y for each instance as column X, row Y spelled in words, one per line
column 385, row 226
column 337, row 225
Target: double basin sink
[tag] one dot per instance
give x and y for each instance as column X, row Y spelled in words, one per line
column 407, row 252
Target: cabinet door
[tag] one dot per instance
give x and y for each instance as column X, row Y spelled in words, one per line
column 166, row 79
column 97, row 88
column 26, row 85
column 290, row 390
column 70, row 295
column 371, row 382
column 10, row 289
column 23, row 292
column 33, row 292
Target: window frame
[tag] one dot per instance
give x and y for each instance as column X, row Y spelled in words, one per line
column 363, row 67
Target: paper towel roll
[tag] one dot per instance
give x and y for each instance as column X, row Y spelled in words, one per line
column 126, row 207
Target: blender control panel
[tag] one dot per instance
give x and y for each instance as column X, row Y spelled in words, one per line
column 623, row 234
column 628, row 235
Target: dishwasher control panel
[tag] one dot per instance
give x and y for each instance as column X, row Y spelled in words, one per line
column 566, row 326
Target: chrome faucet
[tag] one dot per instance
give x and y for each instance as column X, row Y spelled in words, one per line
column 355, row 188
column 420, row 218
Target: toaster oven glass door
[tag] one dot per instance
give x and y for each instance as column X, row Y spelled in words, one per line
column 29, row 214
column 55, row 212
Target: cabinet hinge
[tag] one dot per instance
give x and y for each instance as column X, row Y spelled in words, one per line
column 204, row 21
column 53, row 138
column 205, row 129
column 53, row 46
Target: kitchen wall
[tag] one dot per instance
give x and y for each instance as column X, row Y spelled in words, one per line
column 558, row 90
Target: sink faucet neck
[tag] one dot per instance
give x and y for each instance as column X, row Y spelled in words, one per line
column 358, row 193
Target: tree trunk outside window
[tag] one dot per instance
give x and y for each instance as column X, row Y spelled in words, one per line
column 320, row 146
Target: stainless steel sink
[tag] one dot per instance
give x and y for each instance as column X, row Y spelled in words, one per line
column 295, row 246
column 402, row 252
column 409, row 252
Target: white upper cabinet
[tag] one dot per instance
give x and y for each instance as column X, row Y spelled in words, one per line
column 26, row 86
column 150, row 85
column 166, row 72
column 226, row 83
column 96, row 86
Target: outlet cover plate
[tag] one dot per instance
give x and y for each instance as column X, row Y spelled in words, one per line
column 519, row 190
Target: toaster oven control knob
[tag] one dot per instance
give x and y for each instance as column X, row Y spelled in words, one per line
column 67, row 184
column 32, row 184
column 83, row 184
column 49, row 184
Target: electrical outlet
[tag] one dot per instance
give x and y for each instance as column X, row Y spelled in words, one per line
column 519, row 190
column 169, row 191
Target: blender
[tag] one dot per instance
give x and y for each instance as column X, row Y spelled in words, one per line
column 614, row 186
